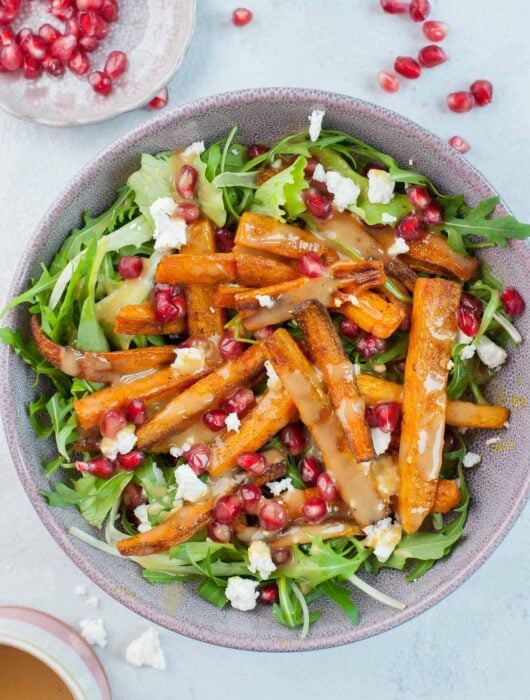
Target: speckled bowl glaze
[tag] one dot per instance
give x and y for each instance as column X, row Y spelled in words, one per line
column 499, row 486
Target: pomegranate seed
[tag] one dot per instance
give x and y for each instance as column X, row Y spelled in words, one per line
column 102, row 467
column 512, row 302
column 272, row 516
column 310, row 167
column 408, row 67
column 8, row 11
column 461, row 101
column 136, row 412
column 435, row 31
column 293, row 438
column 409, row 227
column 11, row 57
column 53, row 66
column 310, row 470
column 433, row 215
column 482, row 91
column 224, row 239
column 36, row 47
column 214, row 420
column 250, row 495
column 22, row 35
column 116, row 64
column 387, row 416
column 131, row 461
column 281, row 555
column 109, row 10
column 431, row 56
column 252, row 462
column 49, row 33
column 239, row 402
column 219, row 532
column 419, row 197
column 449, row 441
column 100, row 83
column 227, row 508
column 264, row 333
column 327, row 487
column 241, row 16
column 72, row 27
column 311, row 265
column 370, row 417
column 229, row 347
column 186, row 182
column 257, row 149
column 467, row 322
column 268, row 594
column 91, row 24
column 318, row 205
column 187, row 211
column 89, row 4
column 62, row 9
column 419, row 10
column 88, row 43
column 198, row 457
column 471, row 303
column 394, row 7
column 370, row 345
column 79, row 63
column 315, row 509
column 160, row 100
column 111, row 422
column 62, row 48
column 132, row 496
column 459, row 144
column 169, row 303
column 31, row 68
column 7, row 36
column 130, row 266
column 388, row 81
column 348, row 328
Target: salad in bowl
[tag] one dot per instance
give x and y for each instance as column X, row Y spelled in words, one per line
column 262, row 363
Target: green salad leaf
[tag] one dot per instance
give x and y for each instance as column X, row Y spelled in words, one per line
column 280, row 195
column 151, row 182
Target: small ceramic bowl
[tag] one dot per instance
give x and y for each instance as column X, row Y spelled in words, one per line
column 154, row 34
column 499, row 486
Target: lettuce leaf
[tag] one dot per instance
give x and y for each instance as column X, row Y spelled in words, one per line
column 210, row 198
column 150, row 182
column 281, row 194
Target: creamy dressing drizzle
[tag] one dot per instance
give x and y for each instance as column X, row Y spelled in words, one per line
column 345, row 229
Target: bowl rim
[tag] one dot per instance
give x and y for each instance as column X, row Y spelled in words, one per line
column 314, row 98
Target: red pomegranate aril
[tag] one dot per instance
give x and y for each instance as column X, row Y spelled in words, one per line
column 459, row 144
column 433, row 215
column 268, row 594
column 419, row 196
column 409, row 227
column 239, row 402
column 219, row 532
column 394, row 7
column 310, row 469
column 83, row 5
column 79, row 63
column 264, row 333
column 224, row 239
column 62, row 48
column 252, row 462
column 198, row 457
column 281, row 555
column 88, row 23
column 482, row 91
column 370, row 345
column 467, row 321
column 229, row 347
column 435, row 31
column 227, row 508
column 109, row 10
column 49, row 33
column 293, row 438
column 186, row 181
column 419, row 10
column 111, row 422
column 131, row 461
column 53, row 66
column 348, row 328
column 241, row 16
column 327, row 487
column 88, row 43
column 460, row 101
column 387, row 416
column 187, row 211
column 169, row 303
column 72, row 27
column 431, row 56
column 7, row 36
column 310, row 265
column 130, row 266
column 7, row 14
column 11, row 57
column 272, row 516
column 251, row 496
column 136, row 412
column 512, row 302
column 36, row 47
column 471, row 303
column 132, row 496
column 408, row 67
column 315, row 509
column 255, row 150
column 370, row 417
column 317, row 204
column 116, row 64
column 310, row 167
column 62, row 9
column 31, row 68
column 388, row 81
column 100, row 82
column 102, row 467
column 214, row 419
column 160, row 100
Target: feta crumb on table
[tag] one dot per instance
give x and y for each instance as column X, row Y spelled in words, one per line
column 94, row 632
column 242, row 593
column 315, row 123
column 260, row 560
column 93, row 602
column 380, row 187
column 189, row 486
column 80, row 590
column 121, row 443
column 471, row 459
column 493, row 441
column 170, row 231
column 383, row 536
column 232, row 422
column 146, row 651
column 189, row 360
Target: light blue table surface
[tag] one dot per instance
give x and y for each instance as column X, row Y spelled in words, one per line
column 474, row 644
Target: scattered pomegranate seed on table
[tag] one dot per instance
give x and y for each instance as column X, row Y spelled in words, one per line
column 431, row 56
column 419, row 10
column 482, row 91
column 512, row 302
column 459, row 144
column 241, row 16
column 460, row 101
column 394, row 7
column 408, row 67
column 435, row 31
column 388, row 81
column 160, row 100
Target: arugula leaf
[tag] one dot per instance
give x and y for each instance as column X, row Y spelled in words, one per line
column 64, row 423
column 213, row 593
column 280, row 195
column 90, row 335
column 339, row 594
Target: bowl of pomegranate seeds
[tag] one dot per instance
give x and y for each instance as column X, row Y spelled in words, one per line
column 280, row 365
column 71, row 62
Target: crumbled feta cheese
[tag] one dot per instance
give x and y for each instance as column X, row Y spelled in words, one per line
column 467, row 352
column 344, row 190
column 383, row 536
column 170, row 231
column 221, row 485
column 259, row 559
column 387, row 218
column 431, row 384
column 462, row 338
column 195, row 149
column 273, row 381
column 242, row 593
column 232, row 422
column 491, row 354
column 471, row 459
column 353, row 300
column 189, row 360
column 319, row 174
column 278, row 487
column 398, row 247
column 506, row 424
column 189, row 486
column 381, row 440
column 315, row 123
column 179, row 451
column 80, row 590
column 121, row 443
column 141, row 513
column 146, row 651
column 93, row 602
column 379, row 368
column 94, row 632
column 380, row 187
column 493, row 441
column 450, row 365
column 265, row 301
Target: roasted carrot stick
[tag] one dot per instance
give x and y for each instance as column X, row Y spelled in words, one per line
column 302, row 533
column 139, row 319
column 255, row 270
column 187, row 268
column 306, row 390
column 338, row 374
column 432, row 336
column 446, row 497
column 374, row 314
column 294, row 499
column 225, row 296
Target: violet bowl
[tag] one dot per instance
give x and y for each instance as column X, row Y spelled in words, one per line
column 499, row 487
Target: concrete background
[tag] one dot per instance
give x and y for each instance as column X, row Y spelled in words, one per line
column 474, row 643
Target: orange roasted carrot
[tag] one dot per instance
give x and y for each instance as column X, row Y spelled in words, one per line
column 306, row 533
column 374, row 314
column 185, row 268
column 254, row 270
column 139, row 319
column 434, row 249
column 225, row 295
column 446, row 497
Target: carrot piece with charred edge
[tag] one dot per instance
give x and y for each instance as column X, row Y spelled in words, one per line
column 435, row 250
column 194, row 268
column 432, row 335
column 447, row 496
column 339, row 376
column 314, row 405
column 374, row 314
column 262, row 270
column 182, row 410
column 225, row 295
column 139, row 319
column 266, row 234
